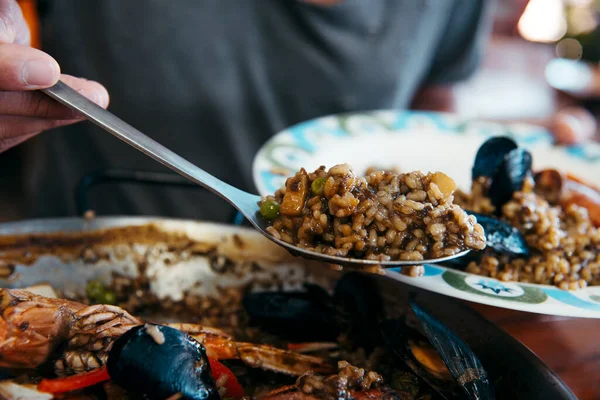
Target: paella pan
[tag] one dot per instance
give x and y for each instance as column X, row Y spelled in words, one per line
column 252, row 320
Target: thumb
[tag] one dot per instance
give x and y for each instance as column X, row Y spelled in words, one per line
column 24, row 68
column 574, row 125
column 13, row 27
column 21, row 67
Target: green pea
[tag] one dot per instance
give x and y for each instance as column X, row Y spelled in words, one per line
column 269, row 209
column 109, row 298
column 318, row 184
column 94, row 290
column 98, row 294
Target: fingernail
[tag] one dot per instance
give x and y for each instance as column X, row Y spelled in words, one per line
column 40, row 72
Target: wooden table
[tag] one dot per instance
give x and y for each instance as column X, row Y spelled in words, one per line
column 569, row 346
column 511, row 86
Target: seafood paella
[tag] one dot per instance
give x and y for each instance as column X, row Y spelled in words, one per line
column 521, row 225
column 170, row 310
column 275, row 345
column 553, row 220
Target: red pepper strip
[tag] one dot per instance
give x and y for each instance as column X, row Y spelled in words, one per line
column 232, row 386
column 87, row 379
column 75, row 382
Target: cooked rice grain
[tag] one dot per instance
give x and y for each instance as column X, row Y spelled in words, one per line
column 383, row 216
column 564, row 243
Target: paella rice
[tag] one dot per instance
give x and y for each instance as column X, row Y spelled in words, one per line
column 382, row 216
column 355, row 376
column 563, row 240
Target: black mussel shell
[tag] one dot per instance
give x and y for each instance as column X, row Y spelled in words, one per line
column 510, row 177
column 158, row 362
column 359, row 301
column 490, row 155
column 289, row 313
column 457, row 356
column 417, row 353
column 501, row 236
column 4, row 374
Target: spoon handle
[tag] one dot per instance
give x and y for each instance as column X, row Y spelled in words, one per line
column 122, row 130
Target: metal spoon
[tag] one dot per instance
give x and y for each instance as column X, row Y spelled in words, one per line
column 246, row 203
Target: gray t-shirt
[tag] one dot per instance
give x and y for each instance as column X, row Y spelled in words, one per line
column 214, row 79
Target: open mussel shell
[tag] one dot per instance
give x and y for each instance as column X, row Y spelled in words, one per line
column 505, row 165
column 288, row 313
column 415, row 350
column 360, row 306
column 355, row 308
column 462, row 363
column 491, row 155
column 158, row 362
column 510, row 177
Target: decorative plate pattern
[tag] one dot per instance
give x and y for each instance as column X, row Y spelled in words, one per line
column 430, row 142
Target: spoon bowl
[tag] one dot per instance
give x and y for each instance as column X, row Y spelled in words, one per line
column 244, row 202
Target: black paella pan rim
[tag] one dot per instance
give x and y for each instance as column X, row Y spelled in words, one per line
column 516, row 372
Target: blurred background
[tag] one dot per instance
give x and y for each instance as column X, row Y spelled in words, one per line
column 543, row 56
column 542, row 66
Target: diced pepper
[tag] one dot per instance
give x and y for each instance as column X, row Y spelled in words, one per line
column 295, row 195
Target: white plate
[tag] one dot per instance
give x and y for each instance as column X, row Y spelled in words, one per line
column 432, row 142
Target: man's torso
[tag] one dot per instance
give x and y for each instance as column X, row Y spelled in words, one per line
column 213, row 80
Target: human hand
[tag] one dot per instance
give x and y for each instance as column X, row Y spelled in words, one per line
column 574, row 125
column 24, row 111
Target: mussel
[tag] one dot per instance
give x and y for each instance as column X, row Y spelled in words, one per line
column 359, row 303
column 505, row 165
column 510, row 177
column 501, row 236
column 288, row 313
column 355, row 307
column 490, row 156
column 461, row 361
column 158, row 362
column 416, row 352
